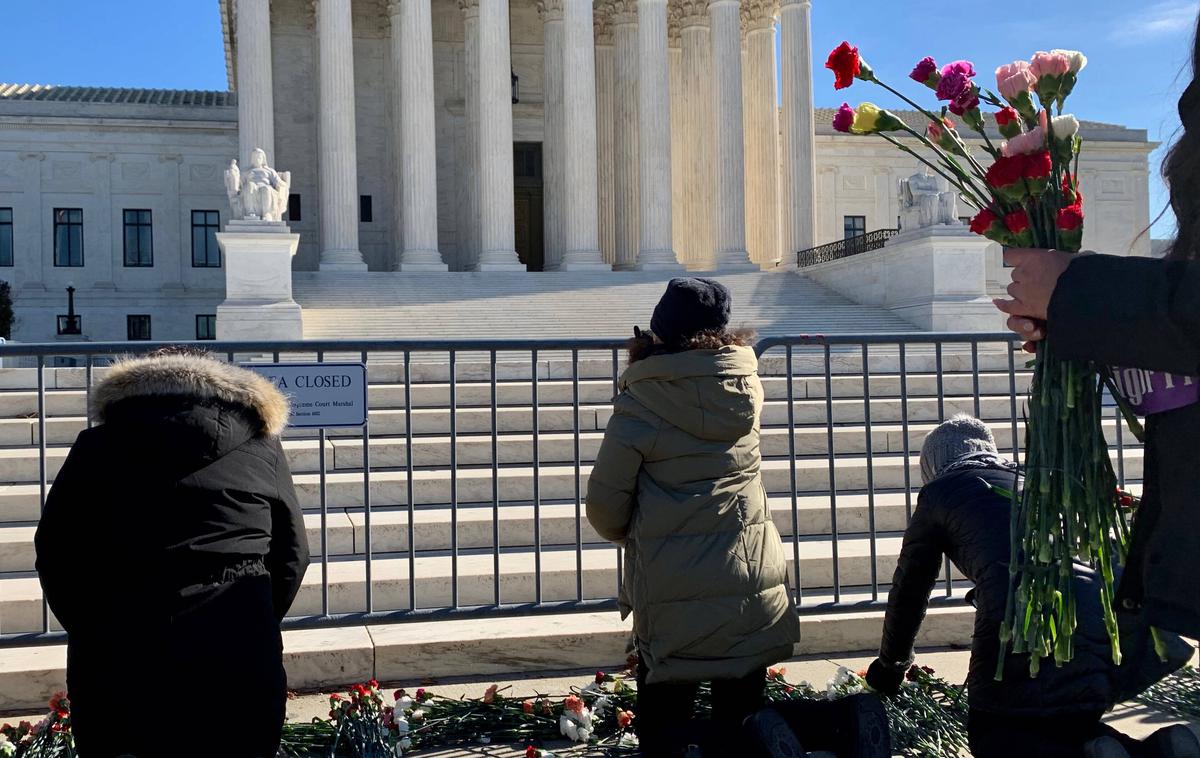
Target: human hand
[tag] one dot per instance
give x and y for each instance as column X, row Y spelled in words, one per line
column 885, row 677
column 1035, row 274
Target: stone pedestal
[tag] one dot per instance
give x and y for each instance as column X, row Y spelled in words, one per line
column 258, row 283
column 934, row 278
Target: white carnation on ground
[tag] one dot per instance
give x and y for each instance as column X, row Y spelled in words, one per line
column 7, row 749
column 628, row 739
column 569, row 728
column 404, row 703
column 600, row 706
column 576, row 725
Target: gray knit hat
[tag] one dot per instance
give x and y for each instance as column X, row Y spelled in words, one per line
column 950, row 441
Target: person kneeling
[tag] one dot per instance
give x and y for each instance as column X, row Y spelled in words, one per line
column 677, row 482
column 1058, row 713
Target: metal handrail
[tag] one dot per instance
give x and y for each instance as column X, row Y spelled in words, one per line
column 833, row 251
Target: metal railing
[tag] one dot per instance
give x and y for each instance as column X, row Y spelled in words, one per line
column 464, row 492
column 833, row 251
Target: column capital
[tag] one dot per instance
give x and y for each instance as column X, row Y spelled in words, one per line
column 674, row 25
column 623, row 12
column 759, row 14
column 602, row 23
column 469, row 7
column 693, row 13
column 550, row 10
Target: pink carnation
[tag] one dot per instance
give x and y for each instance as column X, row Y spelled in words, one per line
column 1023, row 144
column 1049, row 64
column 844, row 118
column 1014, row 79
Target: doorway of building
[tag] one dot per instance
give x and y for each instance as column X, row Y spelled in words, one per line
column 527, row 186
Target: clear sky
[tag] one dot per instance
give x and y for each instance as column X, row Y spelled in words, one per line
column 1137, row 51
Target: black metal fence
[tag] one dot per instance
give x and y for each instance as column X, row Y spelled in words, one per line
column 863, row 243
column 464, row 491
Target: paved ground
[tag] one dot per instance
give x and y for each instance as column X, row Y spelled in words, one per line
column 949, row 664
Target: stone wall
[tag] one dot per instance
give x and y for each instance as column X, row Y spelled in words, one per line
column 104, row 158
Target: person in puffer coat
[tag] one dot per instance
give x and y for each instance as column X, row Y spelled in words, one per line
column 1058, row 714
column 677, row 482
column 170, row 548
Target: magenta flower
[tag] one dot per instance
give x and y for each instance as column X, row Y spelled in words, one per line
column 966, row 68
column 953, row 85
column 926, row 72
column 968, row 100
column 844, row 118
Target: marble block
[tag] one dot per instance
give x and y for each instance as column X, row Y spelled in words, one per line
column 934, row 278
column 258, row 283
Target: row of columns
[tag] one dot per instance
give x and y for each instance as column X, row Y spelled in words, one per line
column 608, row 130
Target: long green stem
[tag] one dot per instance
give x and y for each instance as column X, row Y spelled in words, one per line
column 968, row 195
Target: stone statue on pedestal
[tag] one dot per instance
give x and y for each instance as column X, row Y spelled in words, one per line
column 925, row 201
column 260, row 194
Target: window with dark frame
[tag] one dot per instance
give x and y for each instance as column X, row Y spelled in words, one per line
column 206, row 327
column 293, row 211
column 137, row 328
column 6, row 237
column 364, row 209
column 139, row 239
column 205, row 251
column 853, row 226
column 68, row 237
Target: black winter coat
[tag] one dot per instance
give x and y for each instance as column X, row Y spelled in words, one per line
column 958, row 516
column 171, row 546
column 1145, row 313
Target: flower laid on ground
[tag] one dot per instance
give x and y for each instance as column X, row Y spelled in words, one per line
column 1027, row 197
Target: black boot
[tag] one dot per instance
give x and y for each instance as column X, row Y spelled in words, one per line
column 767, row 735
column 852, row 727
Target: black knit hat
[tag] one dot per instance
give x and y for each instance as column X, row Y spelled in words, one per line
column 690, row 306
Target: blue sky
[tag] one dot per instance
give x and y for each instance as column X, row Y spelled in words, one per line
column 1136, row 51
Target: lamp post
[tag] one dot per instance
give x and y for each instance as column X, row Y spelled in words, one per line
column 69, row 325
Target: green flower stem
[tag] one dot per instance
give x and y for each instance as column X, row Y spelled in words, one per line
column 967, row 195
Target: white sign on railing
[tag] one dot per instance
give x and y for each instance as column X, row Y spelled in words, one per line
column 322, row 394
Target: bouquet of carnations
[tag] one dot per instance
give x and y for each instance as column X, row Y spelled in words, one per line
column 1027, row 196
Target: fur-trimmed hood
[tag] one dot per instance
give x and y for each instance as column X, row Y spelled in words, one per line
column 192, row 376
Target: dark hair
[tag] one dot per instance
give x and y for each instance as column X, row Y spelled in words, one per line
column 1181, row 168
column 643, row 344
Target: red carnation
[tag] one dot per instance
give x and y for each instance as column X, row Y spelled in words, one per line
column 1070, row 218
column 983, row 221
column 1006, row 115
column 845, row 64
column 373, row 684
column 527, row 706
column 600, row 677
column 1006, row 170
column 1038, row 165
column 531, row 751
column 1017, row 221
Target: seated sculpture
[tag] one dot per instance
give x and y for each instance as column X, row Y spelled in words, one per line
column 924, row 202
column 261, row 193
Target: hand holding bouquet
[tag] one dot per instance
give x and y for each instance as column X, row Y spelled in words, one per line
column 1027, row 196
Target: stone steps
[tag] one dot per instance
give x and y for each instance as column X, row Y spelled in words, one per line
column 419, row 651
column 561, row 580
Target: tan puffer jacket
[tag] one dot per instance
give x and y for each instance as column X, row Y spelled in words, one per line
column 677, row 482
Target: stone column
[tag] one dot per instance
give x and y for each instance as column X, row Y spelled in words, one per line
column 412, row 60
column 256, row 109
column 469, row 241
column 654, row 138
column 797, row 185
column 497, row 221
column 762, row 133
column 551, row 12
column 604, row 132
column 681, row 235
column 698, row 146
column 337, row 151
column 725, row 21
column 626, row 192
column 581, row 185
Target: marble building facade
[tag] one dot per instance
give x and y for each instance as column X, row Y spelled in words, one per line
column 644, row 134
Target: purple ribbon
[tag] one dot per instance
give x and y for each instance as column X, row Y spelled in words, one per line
column 1150, row 392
